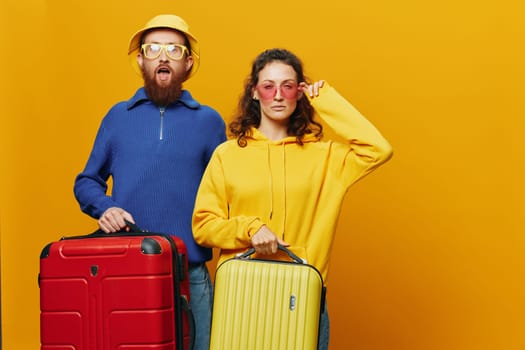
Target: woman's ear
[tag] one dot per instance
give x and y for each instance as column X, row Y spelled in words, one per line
column 255, row 95
column 300, row 93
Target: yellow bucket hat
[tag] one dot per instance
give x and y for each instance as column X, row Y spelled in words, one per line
column 164, row 21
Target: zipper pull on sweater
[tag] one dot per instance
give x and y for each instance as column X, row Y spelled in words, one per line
column 161, row 132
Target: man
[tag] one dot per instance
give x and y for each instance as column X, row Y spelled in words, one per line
column 155, row 148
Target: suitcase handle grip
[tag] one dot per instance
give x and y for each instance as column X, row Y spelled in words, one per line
column 294, row 257
column 133, row 228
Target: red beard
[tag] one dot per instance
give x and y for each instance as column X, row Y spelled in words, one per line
column 162, row 95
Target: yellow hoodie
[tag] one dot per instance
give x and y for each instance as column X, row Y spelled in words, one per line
column 297, row 191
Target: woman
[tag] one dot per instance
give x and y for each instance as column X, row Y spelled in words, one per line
column 277, row 182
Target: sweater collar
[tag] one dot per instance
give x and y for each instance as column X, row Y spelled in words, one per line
column 141, row 97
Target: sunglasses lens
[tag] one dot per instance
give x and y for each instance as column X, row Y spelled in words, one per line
column 152, row 51
column 288, row 91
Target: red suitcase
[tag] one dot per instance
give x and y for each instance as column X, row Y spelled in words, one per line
column 128, row 290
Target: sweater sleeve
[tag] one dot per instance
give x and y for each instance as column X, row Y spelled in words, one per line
column 212, row 225
column 91, row 184
column 366, row 148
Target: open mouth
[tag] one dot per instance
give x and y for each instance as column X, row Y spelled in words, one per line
column 163, row 73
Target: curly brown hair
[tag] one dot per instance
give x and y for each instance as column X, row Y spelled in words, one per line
column 249, row 111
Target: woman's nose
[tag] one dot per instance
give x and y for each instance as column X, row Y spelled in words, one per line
column 278, row 95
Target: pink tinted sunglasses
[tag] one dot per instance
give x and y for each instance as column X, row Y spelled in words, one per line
column 288, row 90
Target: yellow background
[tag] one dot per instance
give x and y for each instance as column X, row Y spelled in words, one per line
column 430, row 248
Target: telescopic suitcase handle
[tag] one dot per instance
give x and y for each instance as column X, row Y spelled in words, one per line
column 251, row 251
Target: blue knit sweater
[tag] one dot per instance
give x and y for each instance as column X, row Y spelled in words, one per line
column 156, row 158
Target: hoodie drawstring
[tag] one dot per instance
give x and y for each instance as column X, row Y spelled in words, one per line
column 271, row 179
column 271, row 185
column 284, row 189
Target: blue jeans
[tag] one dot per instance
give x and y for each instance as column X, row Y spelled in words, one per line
column 324, row 330
column 201, row 299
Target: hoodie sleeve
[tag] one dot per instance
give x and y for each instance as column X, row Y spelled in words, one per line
column 212, row 226
column 366, row 148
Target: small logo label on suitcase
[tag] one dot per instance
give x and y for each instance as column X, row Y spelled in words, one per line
column 292, row 302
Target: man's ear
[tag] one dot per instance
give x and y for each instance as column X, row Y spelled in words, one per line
column 189, row 64
column 140, row 60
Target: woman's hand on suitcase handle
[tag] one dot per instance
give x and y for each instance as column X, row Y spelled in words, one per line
column 114, row 220
column 265, row 241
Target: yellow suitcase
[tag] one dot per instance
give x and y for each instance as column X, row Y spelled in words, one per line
column 266, row 304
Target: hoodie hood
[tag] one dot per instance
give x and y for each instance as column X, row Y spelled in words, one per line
column 259, row 136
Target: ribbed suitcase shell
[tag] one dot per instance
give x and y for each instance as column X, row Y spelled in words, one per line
column 266, row 305
column 114, row 292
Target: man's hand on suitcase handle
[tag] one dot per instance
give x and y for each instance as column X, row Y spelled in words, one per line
column 114, row 220
column 265, row 241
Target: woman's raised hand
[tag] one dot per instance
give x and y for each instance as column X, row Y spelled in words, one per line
column 313, row 89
